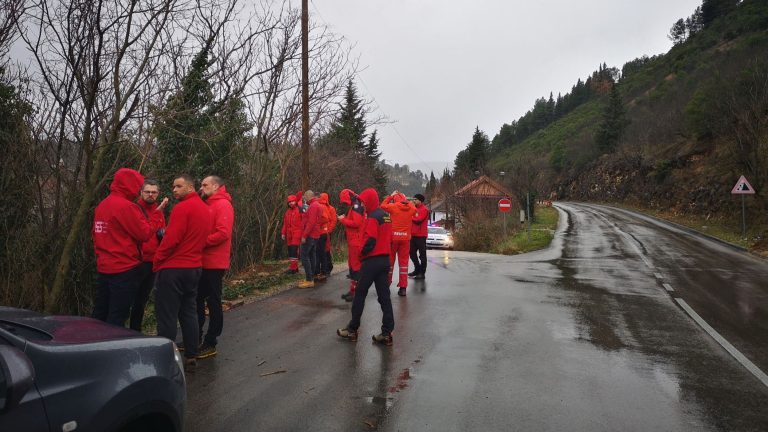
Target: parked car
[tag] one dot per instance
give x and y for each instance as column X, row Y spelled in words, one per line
column 67, row 373
column 438, row 237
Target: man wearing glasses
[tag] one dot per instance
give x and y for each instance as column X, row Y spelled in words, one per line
column 150, row 192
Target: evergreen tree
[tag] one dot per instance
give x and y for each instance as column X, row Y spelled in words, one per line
column 474, row 157
column 713, row 9
column 678, row 32
column 348, row 129
column 372, row 154
column 614, row 123
column 431, row 186
column 196, row 133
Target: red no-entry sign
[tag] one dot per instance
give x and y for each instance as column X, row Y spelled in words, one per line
column 505, row 205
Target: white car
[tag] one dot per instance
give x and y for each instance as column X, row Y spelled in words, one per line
column 439, row 237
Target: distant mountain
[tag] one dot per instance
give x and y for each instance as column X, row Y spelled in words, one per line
column 673, row 131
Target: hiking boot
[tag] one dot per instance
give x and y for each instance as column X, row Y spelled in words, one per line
column 321, row 277
column 306, row 284
column 419, row 276
column 290, row 272
column 383, row 338
column 413, row 273
column 348, row 296
column 190, row 364
column 401, row 292
column 206, row 351
column 346, row 333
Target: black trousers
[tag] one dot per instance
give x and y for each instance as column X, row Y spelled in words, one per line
column 374, row 271
column 308, row 257
column 114, row 296
column 209, row 291
column 293, row 252
column 320, row 262
column 176, row 299
column 146, row 283
column 419, row 254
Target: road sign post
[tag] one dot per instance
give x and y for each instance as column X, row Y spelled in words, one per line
column 505, row 205
column 743, row 188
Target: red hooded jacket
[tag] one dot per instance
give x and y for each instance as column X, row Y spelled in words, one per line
column 218, row 245
column 312, row 221
column 420, row 221
column 120, row 226
column 149, row 247
column 377, row 237
column 185, row 238
column 354, row 221
column 401, row 211
column 292, row 226
column 330, row 214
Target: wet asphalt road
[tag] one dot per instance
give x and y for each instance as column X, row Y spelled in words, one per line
column 588, row 335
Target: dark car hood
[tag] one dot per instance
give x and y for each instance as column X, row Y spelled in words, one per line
column 60, row 329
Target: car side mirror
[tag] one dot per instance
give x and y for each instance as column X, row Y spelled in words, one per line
column 17, row 375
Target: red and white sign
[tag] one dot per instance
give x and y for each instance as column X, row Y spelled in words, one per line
column 743, row 187
column 505, row 205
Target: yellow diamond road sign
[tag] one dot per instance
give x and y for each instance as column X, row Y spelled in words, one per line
column 743, row 187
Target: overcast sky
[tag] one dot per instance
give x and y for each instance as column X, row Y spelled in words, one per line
column 438, row 69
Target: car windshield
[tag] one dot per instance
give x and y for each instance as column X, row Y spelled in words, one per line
column 437, row 230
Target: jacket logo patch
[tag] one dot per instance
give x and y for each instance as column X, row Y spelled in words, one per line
column 100, row 227
column 387, row 219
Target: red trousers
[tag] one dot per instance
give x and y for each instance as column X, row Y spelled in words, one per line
column 401, row 248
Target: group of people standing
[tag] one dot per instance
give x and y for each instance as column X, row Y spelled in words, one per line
column 377, row 233
column 184, row 260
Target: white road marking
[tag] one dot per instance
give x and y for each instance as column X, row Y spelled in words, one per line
column 759, row 374
column 658, row 276
column 668, row 287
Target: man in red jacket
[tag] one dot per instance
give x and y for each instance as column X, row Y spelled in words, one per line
column 401, row 211
column 150, row 193
column 291, row 234
column 218, row 246
column 354, row 224
column 179, row 264
column 419, row 233
column 377, row 243
column 119, row 228
column 312, row 229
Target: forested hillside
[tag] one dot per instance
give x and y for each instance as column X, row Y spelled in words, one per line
column 670, row 131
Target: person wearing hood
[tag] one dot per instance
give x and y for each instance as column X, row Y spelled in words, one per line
column 401, row 211
column 419, row 232
column 354, row 223
column 377, row 243
column 321, row 266
column 179, row 265
column 150, row 193
column 310, row 234
column 120, row 227
column 291, row 234
column 216, row 258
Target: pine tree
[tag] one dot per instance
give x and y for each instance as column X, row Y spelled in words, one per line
column 197, row 134
column 713, row 9
column 348, row 128
column 614, row 123
column 474, row 157
column 431, row 186
column 678, row 32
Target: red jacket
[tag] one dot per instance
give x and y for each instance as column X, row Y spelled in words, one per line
column 312, row 221
column 119, row 225
column 149, row 247
column 331, row 217
column 218, row 245
column 354, row 224
column 402, row 217
column 377, row 237
column 420, row 221
column 292, row 226
column 186, row 235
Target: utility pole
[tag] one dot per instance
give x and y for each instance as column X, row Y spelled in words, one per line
column 304, row 95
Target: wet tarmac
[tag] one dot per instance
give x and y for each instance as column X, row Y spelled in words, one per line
column 588, row 335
